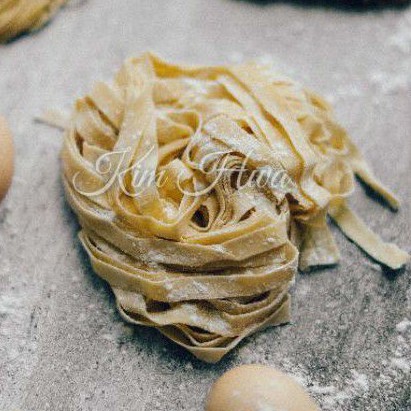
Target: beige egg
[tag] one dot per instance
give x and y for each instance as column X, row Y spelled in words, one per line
column 6, row 158
column 258, row 388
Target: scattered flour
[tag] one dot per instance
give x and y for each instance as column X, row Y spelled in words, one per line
column 397, row 77
column 403, row 326
column 344, row 91
column 340, row 393
column 401, row 39
column 401, row 363
column 269, row 60
column 236, row 57
column 202, row 288
column 360, row 380
column 168, row 285
column 391, row 82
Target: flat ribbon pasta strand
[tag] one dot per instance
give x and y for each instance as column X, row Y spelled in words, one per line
column 203, row 251
column 355, row 229
column 21, row 16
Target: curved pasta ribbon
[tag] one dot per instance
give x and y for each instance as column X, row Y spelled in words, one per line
column 199, row 191
column 20, row 16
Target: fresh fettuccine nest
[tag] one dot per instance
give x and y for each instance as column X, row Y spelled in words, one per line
column 20, row 16
column 206, row 252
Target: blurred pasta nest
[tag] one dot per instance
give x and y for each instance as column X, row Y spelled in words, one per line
column 247, row 165
column 21, row 16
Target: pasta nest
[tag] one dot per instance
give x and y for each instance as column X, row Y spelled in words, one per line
column 21, row 16
column 247, row 165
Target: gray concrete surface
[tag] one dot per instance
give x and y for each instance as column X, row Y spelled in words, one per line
column 62, row 344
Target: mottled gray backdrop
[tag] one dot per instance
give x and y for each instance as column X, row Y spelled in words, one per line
column 62, row 344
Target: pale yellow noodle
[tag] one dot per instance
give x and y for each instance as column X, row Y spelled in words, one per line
column 21, row 16
column 210, row 269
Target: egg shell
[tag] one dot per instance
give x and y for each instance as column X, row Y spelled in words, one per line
column 258, row 388
column 6, row 158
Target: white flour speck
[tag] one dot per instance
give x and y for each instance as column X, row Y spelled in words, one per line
column 403, row 325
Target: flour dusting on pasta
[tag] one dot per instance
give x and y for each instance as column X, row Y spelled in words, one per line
column 201, row 190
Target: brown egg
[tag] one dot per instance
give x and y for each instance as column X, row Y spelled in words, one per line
column 6, row 158
column 258, row 388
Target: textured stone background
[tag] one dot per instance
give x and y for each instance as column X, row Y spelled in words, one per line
column 63, row 346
